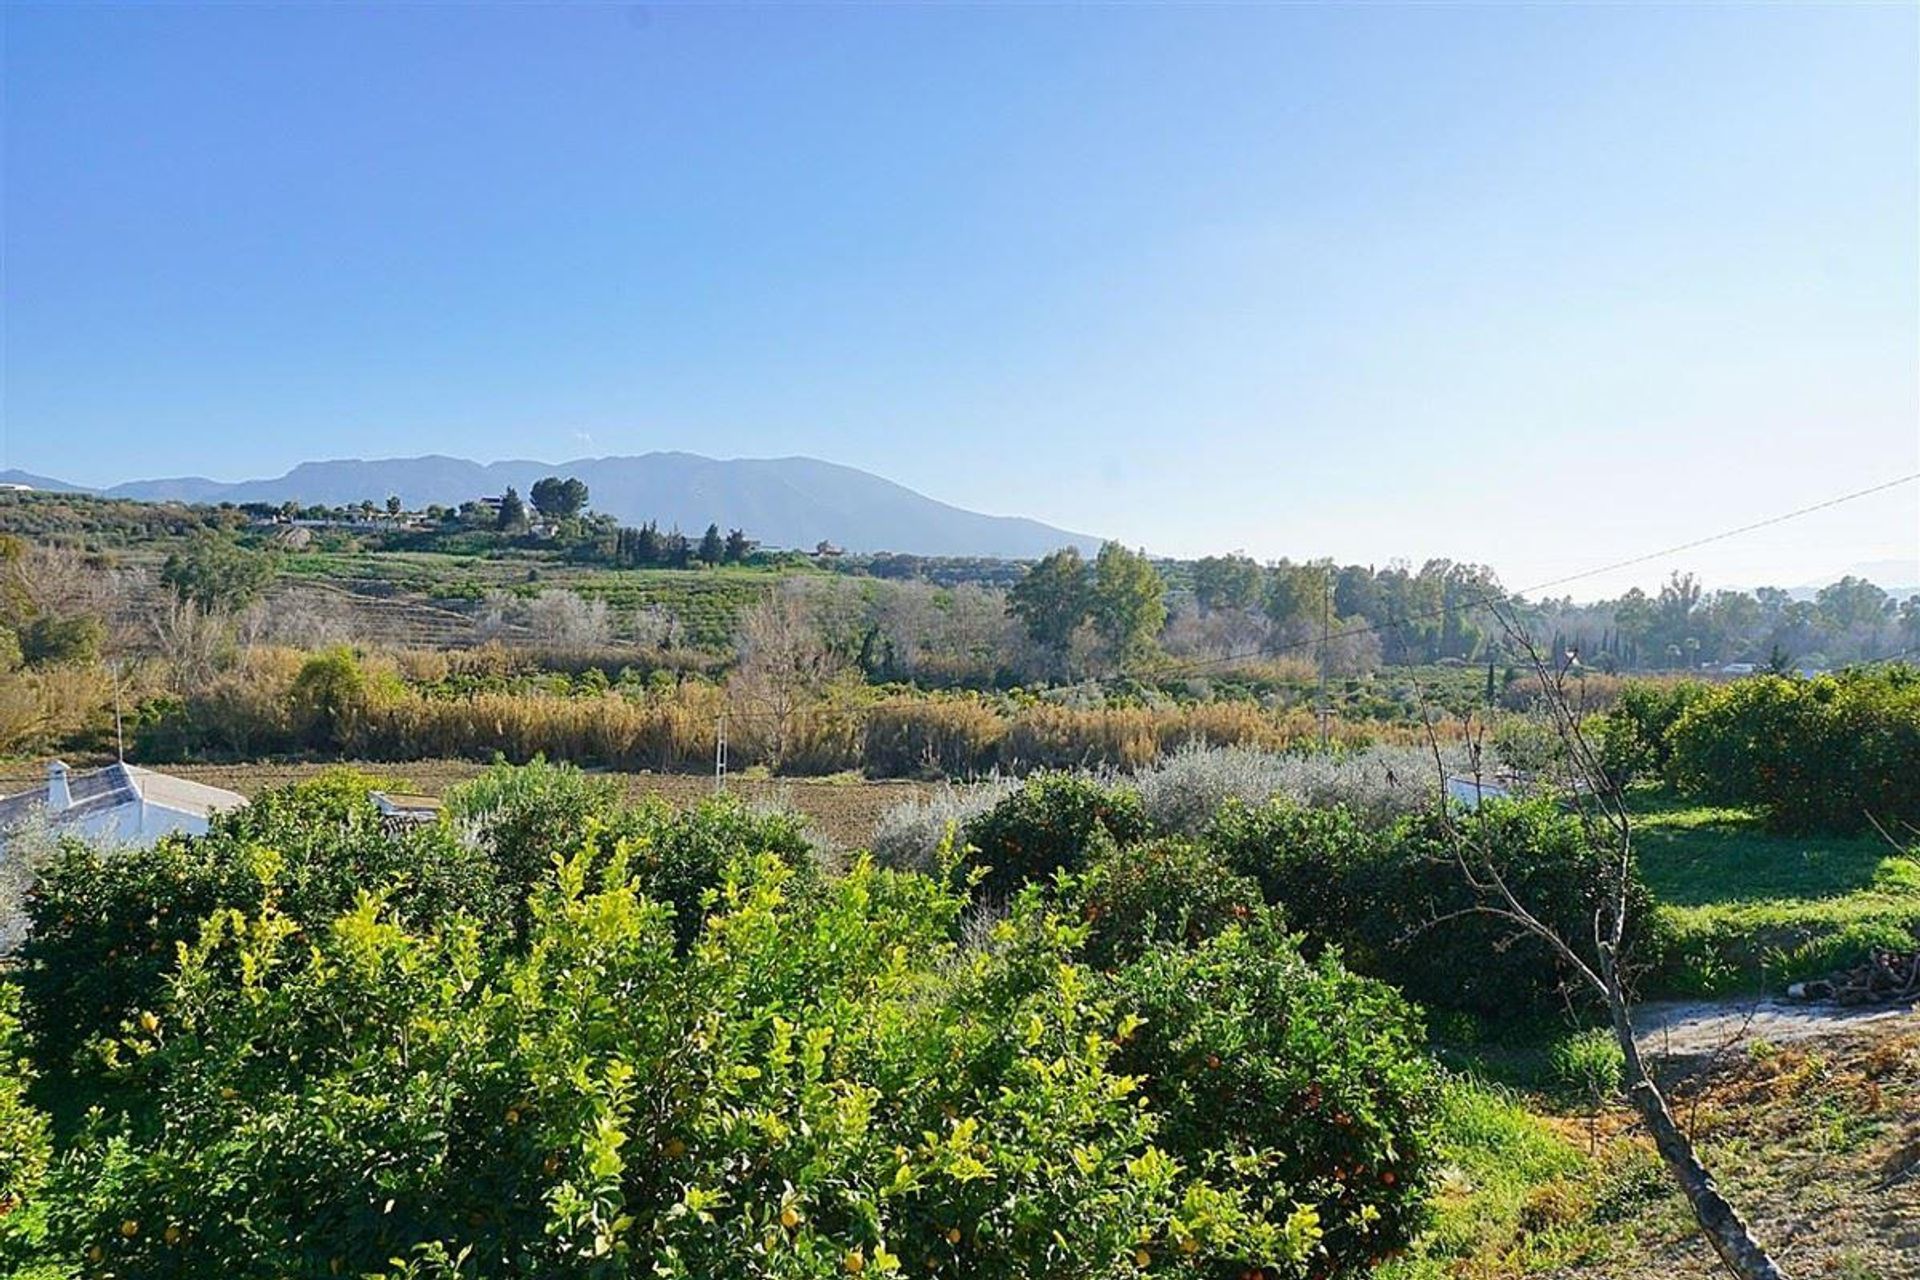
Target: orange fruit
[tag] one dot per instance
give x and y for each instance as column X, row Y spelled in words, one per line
column 953, row 1235
column 171, row 1235
column 1142, row 1258
column 856, row 1262
column 129, row 1228
column 674, row 1148
column 789, row 1217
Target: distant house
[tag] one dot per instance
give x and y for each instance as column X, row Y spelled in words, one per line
column 399, row 810
column 824, row 550
column 120, row 803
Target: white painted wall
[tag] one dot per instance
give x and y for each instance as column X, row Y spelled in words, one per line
column 136, row 823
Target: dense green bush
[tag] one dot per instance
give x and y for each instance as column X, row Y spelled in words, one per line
column 1271, row 1069
column 107, row 923
column 1482, row 963
column 1326, row 869
column 1168, row 892
column 557, row 1035
column 1398, row 907
column 1050, row 824
column 25, row 1144
column 1812, row 755
column 48, row 640
column 329, row 698
column 680, row 856
column 1634, row 734
column 821, row 1086
column 528, row 817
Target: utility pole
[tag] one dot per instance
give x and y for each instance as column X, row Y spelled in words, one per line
column 720, row 754
column 1326, row 639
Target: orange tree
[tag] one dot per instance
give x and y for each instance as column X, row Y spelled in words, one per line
column 816, row 1081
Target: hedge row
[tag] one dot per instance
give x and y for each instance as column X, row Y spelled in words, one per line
column 1833, row 753
column 557, row 1036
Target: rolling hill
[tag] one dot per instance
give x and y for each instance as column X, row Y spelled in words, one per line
column 789, row 502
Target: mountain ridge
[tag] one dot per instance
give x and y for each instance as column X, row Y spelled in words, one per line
column 793, row 501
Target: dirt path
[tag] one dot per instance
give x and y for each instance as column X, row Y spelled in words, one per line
column 1691, row 1028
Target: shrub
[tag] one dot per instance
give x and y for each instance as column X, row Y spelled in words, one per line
column 52, row 641
column 529, row 816
column 1269, row 1068
column 25, row 1142
column 1162, row 893
column 1634, row 735
column 1589, row 1064
column 1811, row 755
column 329, row 697
column 908, row 836
column 1324, row 868
column 1448, row 954
column 106, row 922
column 821, row 1085
column 1050, row 824
column 680, row 857
column 1183, row 792
column 1396, row 904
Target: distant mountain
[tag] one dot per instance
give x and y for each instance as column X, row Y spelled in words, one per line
column 784, row 502
column 32, row 481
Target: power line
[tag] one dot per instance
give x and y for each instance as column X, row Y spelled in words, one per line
column 1723, row 536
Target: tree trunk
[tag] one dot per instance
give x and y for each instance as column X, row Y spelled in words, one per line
column 1725, row 1230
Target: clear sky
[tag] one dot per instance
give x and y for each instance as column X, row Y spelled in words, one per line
column 1541, row 287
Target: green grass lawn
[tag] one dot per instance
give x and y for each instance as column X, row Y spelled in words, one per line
column 1746, row 909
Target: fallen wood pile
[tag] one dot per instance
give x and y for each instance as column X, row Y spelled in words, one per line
column 1886, row 977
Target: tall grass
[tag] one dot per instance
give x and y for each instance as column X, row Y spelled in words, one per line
column 476, row 705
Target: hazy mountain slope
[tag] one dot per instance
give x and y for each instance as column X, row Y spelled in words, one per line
column 791, row 502
column 14, row 475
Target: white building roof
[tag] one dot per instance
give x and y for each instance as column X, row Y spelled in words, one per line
column 119, row 784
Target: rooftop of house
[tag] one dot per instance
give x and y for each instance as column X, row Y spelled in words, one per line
column 68, row 795
column 395, row 804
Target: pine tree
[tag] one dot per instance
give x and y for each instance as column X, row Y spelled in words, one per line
column 711, row 547
column 513, row 512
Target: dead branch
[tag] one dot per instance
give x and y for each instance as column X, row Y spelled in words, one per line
column 1603, row 814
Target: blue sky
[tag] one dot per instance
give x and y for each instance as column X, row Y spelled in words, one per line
column 1541, row 287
